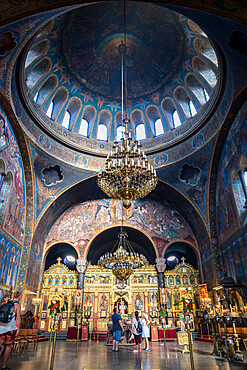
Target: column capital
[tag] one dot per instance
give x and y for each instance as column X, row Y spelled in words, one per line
column 160, row 264
column 81, row 265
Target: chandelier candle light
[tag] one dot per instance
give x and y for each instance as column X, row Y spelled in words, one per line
column 124, row 260
column 127, row 174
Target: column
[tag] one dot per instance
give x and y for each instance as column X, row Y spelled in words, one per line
column 160, row 267
column 81, row 266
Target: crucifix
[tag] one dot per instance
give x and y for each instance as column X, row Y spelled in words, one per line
column 183, row 260
column 59, row 259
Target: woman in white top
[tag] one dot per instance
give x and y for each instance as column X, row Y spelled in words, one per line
column 137, row 331
column 145, row 330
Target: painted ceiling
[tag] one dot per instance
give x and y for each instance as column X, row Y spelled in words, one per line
column 75, row 64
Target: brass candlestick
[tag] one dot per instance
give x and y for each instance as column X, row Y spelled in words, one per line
column 55, row 327
column 215, row 343
column 238, row 354
column 190, row 345
column 165, row 340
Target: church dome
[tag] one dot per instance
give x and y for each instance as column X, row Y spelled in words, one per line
column 72, row 76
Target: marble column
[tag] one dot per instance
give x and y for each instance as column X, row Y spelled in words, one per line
column 81, row 266
column 160, row 267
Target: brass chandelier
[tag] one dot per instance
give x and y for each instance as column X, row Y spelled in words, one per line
column 122, row 260
column 127, row 174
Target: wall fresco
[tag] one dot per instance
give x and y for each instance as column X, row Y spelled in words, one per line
column 33, row 270
column 10, row 257
column 235, row 147
column 80, row 223
column 234, row 257
column 13, row 219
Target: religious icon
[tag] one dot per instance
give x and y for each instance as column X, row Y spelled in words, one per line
column 103, row 304
column 64, row 280
column 56, row 282
column 45, row 303
column 138, row 302
column 88, row 300
column 192, row 279
column 122, row 306
column 178, row 280
column 49, row 280
column 170, row 280
column 71, row 280
column 185, row 280
column 153, row 299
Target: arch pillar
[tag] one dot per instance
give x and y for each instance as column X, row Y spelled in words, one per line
column 160, row 264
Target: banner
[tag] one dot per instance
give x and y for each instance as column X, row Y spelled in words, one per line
column 203, row 292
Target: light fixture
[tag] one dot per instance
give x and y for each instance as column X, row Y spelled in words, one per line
column 70, row 258
column 122, row 259
column 127, row 174
column 171, row 258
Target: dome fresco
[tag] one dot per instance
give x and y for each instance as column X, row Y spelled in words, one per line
column 72, row 76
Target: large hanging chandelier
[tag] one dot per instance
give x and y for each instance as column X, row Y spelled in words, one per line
column 127, row 174
column 122, row 260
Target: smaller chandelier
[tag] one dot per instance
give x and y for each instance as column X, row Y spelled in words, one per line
column 124, row 260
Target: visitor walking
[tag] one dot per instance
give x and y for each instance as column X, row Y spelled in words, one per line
column 117, row 328
column 137, row 331
column 9, row 329
column 145, row 330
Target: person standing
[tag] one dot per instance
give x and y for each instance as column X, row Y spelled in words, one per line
column 117, row 328
column 137, row 331
column 145, row 330
column 10, row 330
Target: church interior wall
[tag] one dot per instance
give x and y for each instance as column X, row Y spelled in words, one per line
column 82, row 222
column 12, row 206
column 231, row 225
column 231, row 215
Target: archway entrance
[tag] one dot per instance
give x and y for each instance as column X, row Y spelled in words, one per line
column 63, row 251
column 105, row 241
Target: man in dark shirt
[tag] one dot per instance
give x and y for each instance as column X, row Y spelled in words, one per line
column 117, row 328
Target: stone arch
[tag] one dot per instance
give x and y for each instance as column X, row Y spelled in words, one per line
column 112, row 232
column 190, row 245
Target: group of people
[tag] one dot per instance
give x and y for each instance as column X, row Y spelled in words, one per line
column 140, row 330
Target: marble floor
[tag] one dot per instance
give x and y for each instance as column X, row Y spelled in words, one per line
column 99, row 356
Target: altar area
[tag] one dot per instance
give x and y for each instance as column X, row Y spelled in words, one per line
column 102, row 292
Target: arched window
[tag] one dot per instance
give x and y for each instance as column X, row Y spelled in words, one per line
column 36, row 97
column 207, row 97
column 245, row 178
column 102, row 132
column 83, row 127
column 4, row 194
column 140, row 132
column 240, row 190
column 50, row 110
column 120, row 132
column 66, row 120
column 158, row 127
column 176, row 119
column 192, row 109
